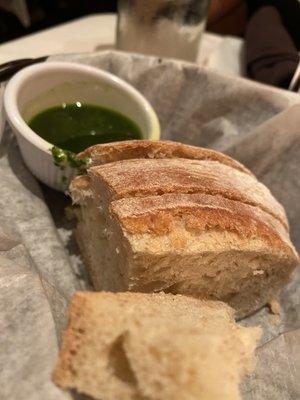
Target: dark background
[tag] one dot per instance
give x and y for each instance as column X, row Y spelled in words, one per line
column 46, row 13
column 225, row 16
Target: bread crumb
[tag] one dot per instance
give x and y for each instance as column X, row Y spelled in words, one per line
column 274, row 306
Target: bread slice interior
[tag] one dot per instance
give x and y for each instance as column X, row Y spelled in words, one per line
column 134, row 346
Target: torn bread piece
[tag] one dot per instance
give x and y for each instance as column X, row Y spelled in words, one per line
column 135, row 346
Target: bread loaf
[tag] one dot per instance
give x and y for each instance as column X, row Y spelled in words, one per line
column 163, row 216
column 134, row 346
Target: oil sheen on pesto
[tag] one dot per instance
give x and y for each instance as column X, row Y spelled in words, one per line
column 75, row 127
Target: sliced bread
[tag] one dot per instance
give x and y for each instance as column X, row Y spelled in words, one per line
column 200, row 227
column 133, row 346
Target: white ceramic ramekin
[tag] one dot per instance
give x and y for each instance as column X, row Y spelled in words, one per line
column 45, row 85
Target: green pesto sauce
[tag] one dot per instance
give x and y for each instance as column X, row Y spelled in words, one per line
column 63, row 158
column 75, row 127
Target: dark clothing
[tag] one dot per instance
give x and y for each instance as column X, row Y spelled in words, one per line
column 271, row 53
column 289, row 11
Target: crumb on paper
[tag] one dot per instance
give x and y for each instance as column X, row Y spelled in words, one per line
column 274, row 306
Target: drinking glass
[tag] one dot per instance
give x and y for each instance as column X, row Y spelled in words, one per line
column 166, row 28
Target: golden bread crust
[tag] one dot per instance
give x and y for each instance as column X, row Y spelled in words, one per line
column 157, row 215
column 149, row 177
column 110, row 152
